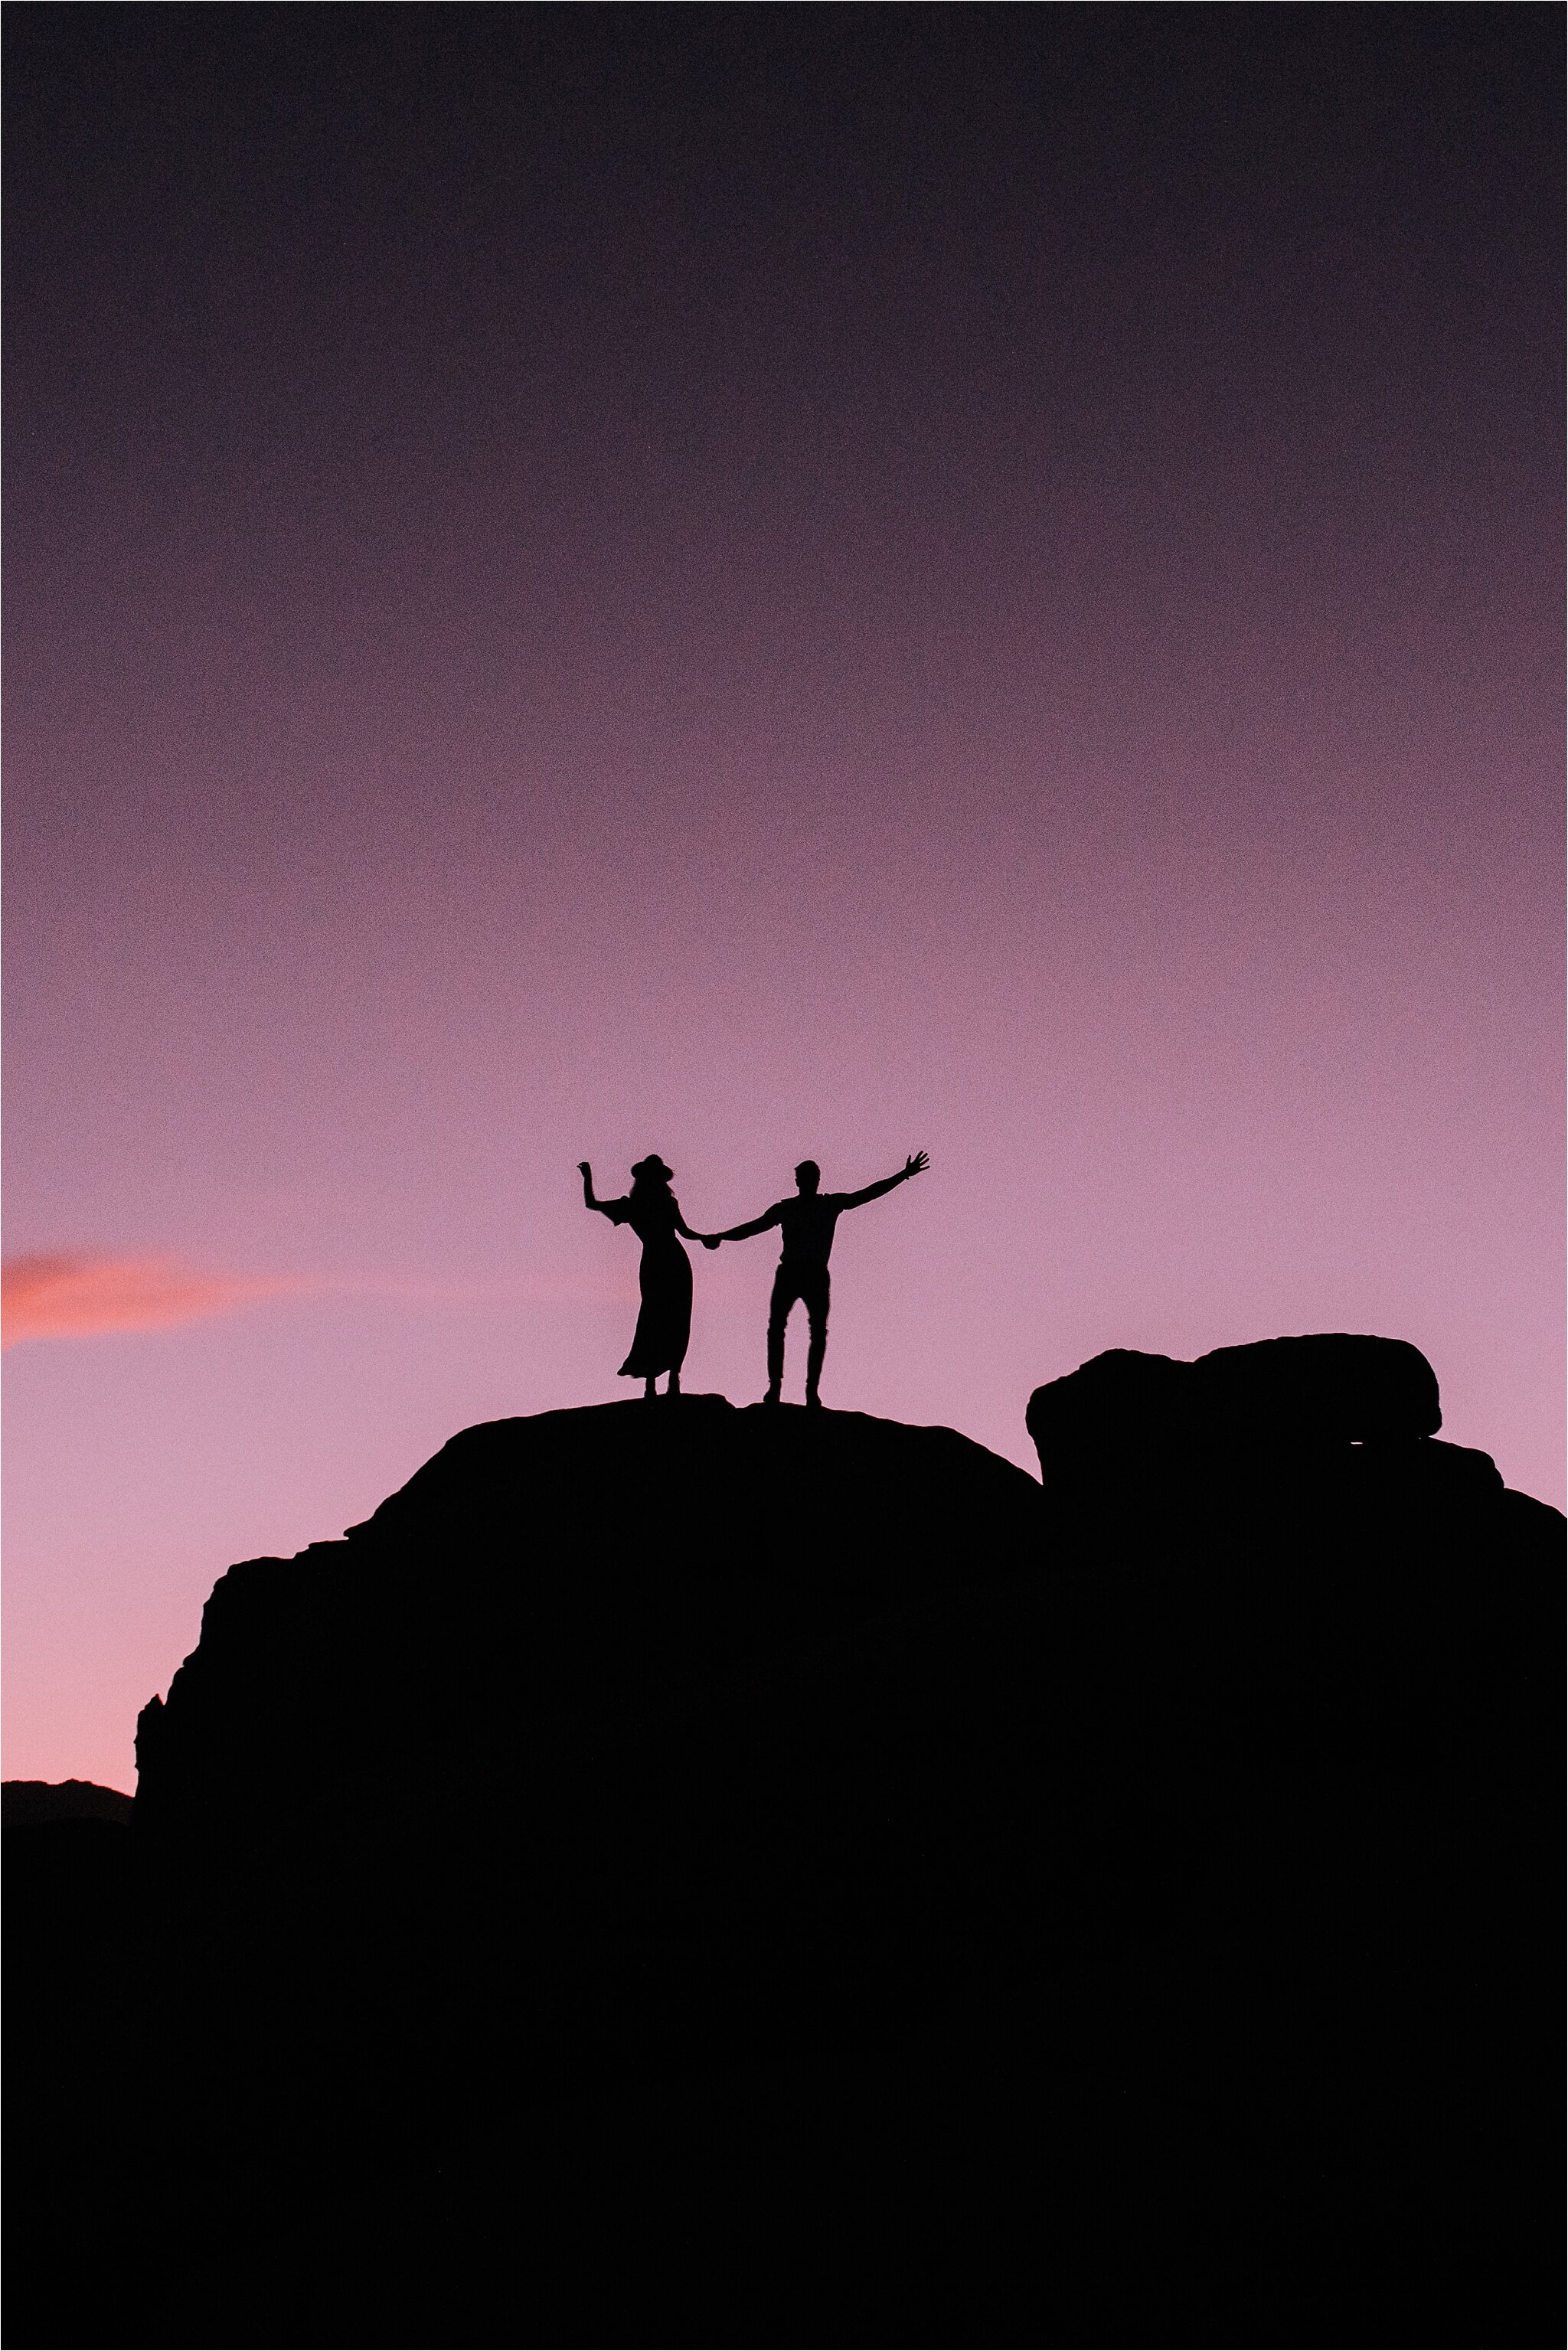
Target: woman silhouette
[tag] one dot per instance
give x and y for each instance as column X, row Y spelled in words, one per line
column 665, row 1323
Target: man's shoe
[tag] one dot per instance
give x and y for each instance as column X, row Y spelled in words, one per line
column 813, row 1402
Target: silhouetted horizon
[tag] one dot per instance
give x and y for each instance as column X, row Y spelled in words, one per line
column 1125, row 1893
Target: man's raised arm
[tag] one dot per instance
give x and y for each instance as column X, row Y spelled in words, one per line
column 916, row 1165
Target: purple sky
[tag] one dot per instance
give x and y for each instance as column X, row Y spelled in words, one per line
column 743, row 583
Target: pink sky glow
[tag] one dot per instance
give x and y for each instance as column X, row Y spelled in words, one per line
column 1050, row 657
column 76, row 1297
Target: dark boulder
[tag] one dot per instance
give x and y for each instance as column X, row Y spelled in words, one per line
column 1312, row 1443
column 1332, row 1385
column 1114, row 1437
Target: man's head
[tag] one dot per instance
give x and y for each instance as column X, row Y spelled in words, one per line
column 808, row 1176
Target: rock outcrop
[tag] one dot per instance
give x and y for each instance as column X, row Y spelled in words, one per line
column 608, row 1561
column 685, row 1876
column 1292, row 1447
column 1334, row 1385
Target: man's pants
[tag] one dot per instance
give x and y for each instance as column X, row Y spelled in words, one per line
column 809, row 1284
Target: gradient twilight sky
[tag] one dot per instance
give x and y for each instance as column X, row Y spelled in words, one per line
column 745, row 582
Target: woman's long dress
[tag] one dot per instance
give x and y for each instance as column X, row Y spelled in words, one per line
column 665, row 1323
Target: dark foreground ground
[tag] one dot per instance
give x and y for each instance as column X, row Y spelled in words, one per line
column 688, row 1877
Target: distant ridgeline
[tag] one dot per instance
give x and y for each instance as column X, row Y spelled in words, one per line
column 679, row 1874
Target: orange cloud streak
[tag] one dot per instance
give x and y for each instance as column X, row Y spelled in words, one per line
column 67, row 1295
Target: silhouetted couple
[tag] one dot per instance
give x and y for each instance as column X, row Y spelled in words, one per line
column 806, row 1223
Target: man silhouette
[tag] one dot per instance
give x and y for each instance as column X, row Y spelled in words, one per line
column 807, row 1223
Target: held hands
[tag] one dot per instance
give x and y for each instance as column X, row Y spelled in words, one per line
column 917, row 1164
column 711, row 1240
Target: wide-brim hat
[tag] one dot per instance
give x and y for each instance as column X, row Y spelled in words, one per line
column 655, row 1168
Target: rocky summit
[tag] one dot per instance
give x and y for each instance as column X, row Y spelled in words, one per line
column 679, row 1874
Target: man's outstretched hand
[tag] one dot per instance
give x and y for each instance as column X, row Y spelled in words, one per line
column 917, row 1164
